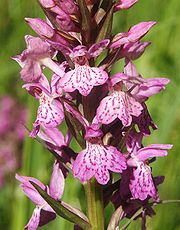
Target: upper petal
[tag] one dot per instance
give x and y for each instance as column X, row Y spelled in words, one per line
column 150, row 87
column 135, row 33
column 56, row 187
column 31, row 71
column 29, row 189
column 41, row 27
column 96, row 49
column 134, row 50
column 124, row 4
column 154, row 150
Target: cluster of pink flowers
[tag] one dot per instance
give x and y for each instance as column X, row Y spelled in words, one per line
column 105, row 113
column 12, row 118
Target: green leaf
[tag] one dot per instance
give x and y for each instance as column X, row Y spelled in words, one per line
column 61, row 210
column 73, row 125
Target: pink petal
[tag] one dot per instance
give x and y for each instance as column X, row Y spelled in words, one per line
column 50, row 112
column 102, row 175
column 124, row 4
column 134, row 107
column 96, row 160
column 96, row 49
column 29, row 189
column 83, row 78
column 150, row 87
column 139, row 30
column 69, row 6
column 79, row 51
column 83, row 166
column 34, row 221
column 56, row 187
column 130, row 69
column 107, row 110
column 134, row 50
column 31, row 71
column 118, row 104
column 47, row 3
column 154, row 150
column 134, row 34
column 41, row 27
column 66, row 23
column 37, row 48
column 99, row 76
column 33, row 195
column 53, row 135
column 142, row 185
column 26, row 180
column 117, row 162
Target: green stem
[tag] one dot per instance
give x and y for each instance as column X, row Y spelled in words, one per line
column 95, row 207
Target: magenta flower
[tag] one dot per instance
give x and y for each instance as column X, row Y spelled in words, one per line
column 122, row 197
column 129, row 104
column 37, row 54
column 134, row 34
column 119, row 105
column 50, row 112
column 141, row 88
column 68, row 6
column 65, row 22
column 83, row 77
column 141, row 183
column 124, row 4
column 45, row 30
column 62, row 11
column 96, row 160
column 43, row 213
column 133, row 50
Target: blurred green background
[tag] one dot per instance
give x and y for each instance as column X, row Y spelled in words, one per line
column 161, row 59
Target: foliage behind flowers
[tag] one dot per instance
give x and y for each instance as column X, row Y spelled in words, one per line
column 107, row 125
column 12, row 131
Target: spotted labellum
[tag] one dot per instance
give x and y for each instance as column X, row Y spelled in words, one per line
column 84, row 77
